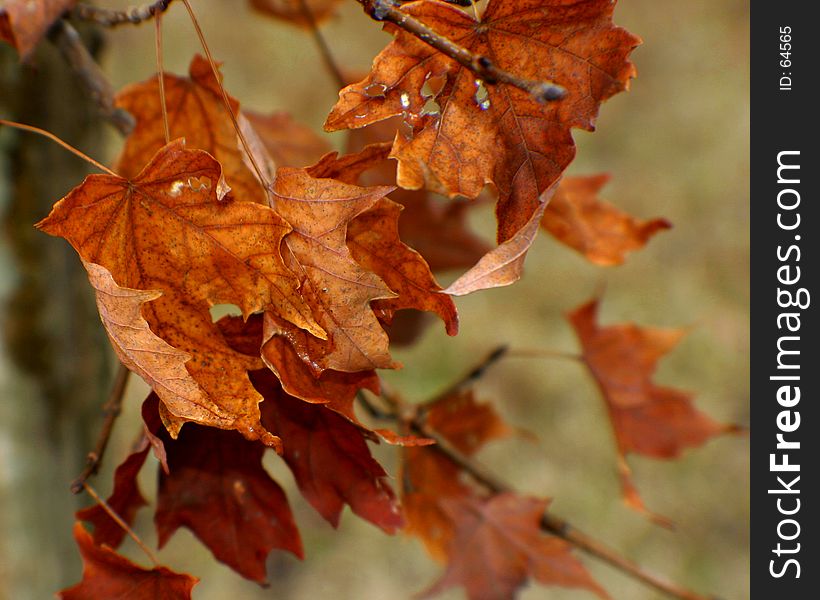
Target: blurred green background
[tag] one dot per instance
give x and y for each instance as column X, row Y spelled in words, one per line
column 676, row 146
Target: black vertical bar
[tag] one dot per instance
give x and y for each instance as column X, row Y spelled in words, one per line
column 785, row 224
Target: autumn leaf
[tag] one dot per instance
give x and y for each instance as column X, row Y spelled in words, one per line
column 217, row 487
column 514, row 142
column 125, row 500
column 196, row 112
column 499, row 544
column 23, row 23
column 504, row 264
column 150, row 357
column 172, row 229
column 373, row 238
column 292, row 11
column 429, row 478
column 338, row 290
column 603, row 234
column 329, row 458
column 654, row 421
column 289, row 144
column 106, row 574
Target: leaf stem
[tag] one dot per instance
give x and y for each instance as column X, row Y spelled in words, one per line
column 483, row 67
column 109, row 17
column 161, row 78
column 54, row 138
column 259, row 174
column 111, row 410
column 113, row 514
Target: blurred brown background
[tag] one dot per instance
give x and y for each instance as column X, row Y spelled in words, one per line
column 676, row 146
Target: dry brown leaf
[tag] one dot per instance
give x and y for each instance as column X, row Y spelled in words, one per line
column 338, row 290
column 289, row 144
column 518, row 144
column 577, row 217
column 196, row 112
column 647, row 419
column 23, row 23
column 172, row 229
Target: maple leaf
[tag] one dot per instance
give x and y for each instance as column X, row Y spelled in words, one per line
column 647, row 419
column 292, row 11
column 338, row 290
column 373, row 238
column 430, row 479
column 499, row 544
column 289, row 144
column 23, row 23
column 599, row 231
column 217, row 487
column 197, row 112
column 504, row 264
column 172, row 229
column 150, row 357
column 514, row 142
column 125, row 500
column 106, row 574
column 329, row 458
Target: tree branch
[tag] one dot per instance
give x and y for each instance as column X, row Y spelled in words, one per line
column 321, row 44
column 109, row 17
column 111, row 410
column 89, row 74
column 483, row 67
column 557, row 526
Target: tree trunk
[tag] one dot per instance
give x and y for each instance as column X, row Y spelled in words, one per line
column 54, row 360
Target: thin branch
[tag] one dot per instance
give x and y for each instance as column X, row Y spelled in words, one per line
column 113, row 514
column 54, row 138
column 110, row 17
column 557, row 526
column 483, row 67
column 111, row 410
column 89, row 74
column 475, row 373
column 321, row 44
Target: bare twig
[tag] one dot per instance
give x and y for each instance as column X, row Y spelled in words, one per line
column 415, row 419
column 89, row 74
column 113, row 514
column 321, row 44
column 109, row 17
column 111, row 410
column 483, row 67
column 475, row 373
column 161, row 78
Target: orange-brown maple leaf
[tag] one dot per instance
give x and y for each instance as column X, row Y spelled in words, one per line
column 373, row 238
column 217, row 487
column 196, row 112
column 507, row 138
column 577, row 217
column 106, row 574
column 23, row 23
column 329, row 458
column 429, row 478
column 655, row 421
column 172, row 229
column 499, row 544
column 336, row 287
column 125, row 500
column 293, row 11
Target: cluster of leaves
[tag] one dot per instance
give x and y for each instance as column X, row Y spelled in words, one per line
column 319, row 251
